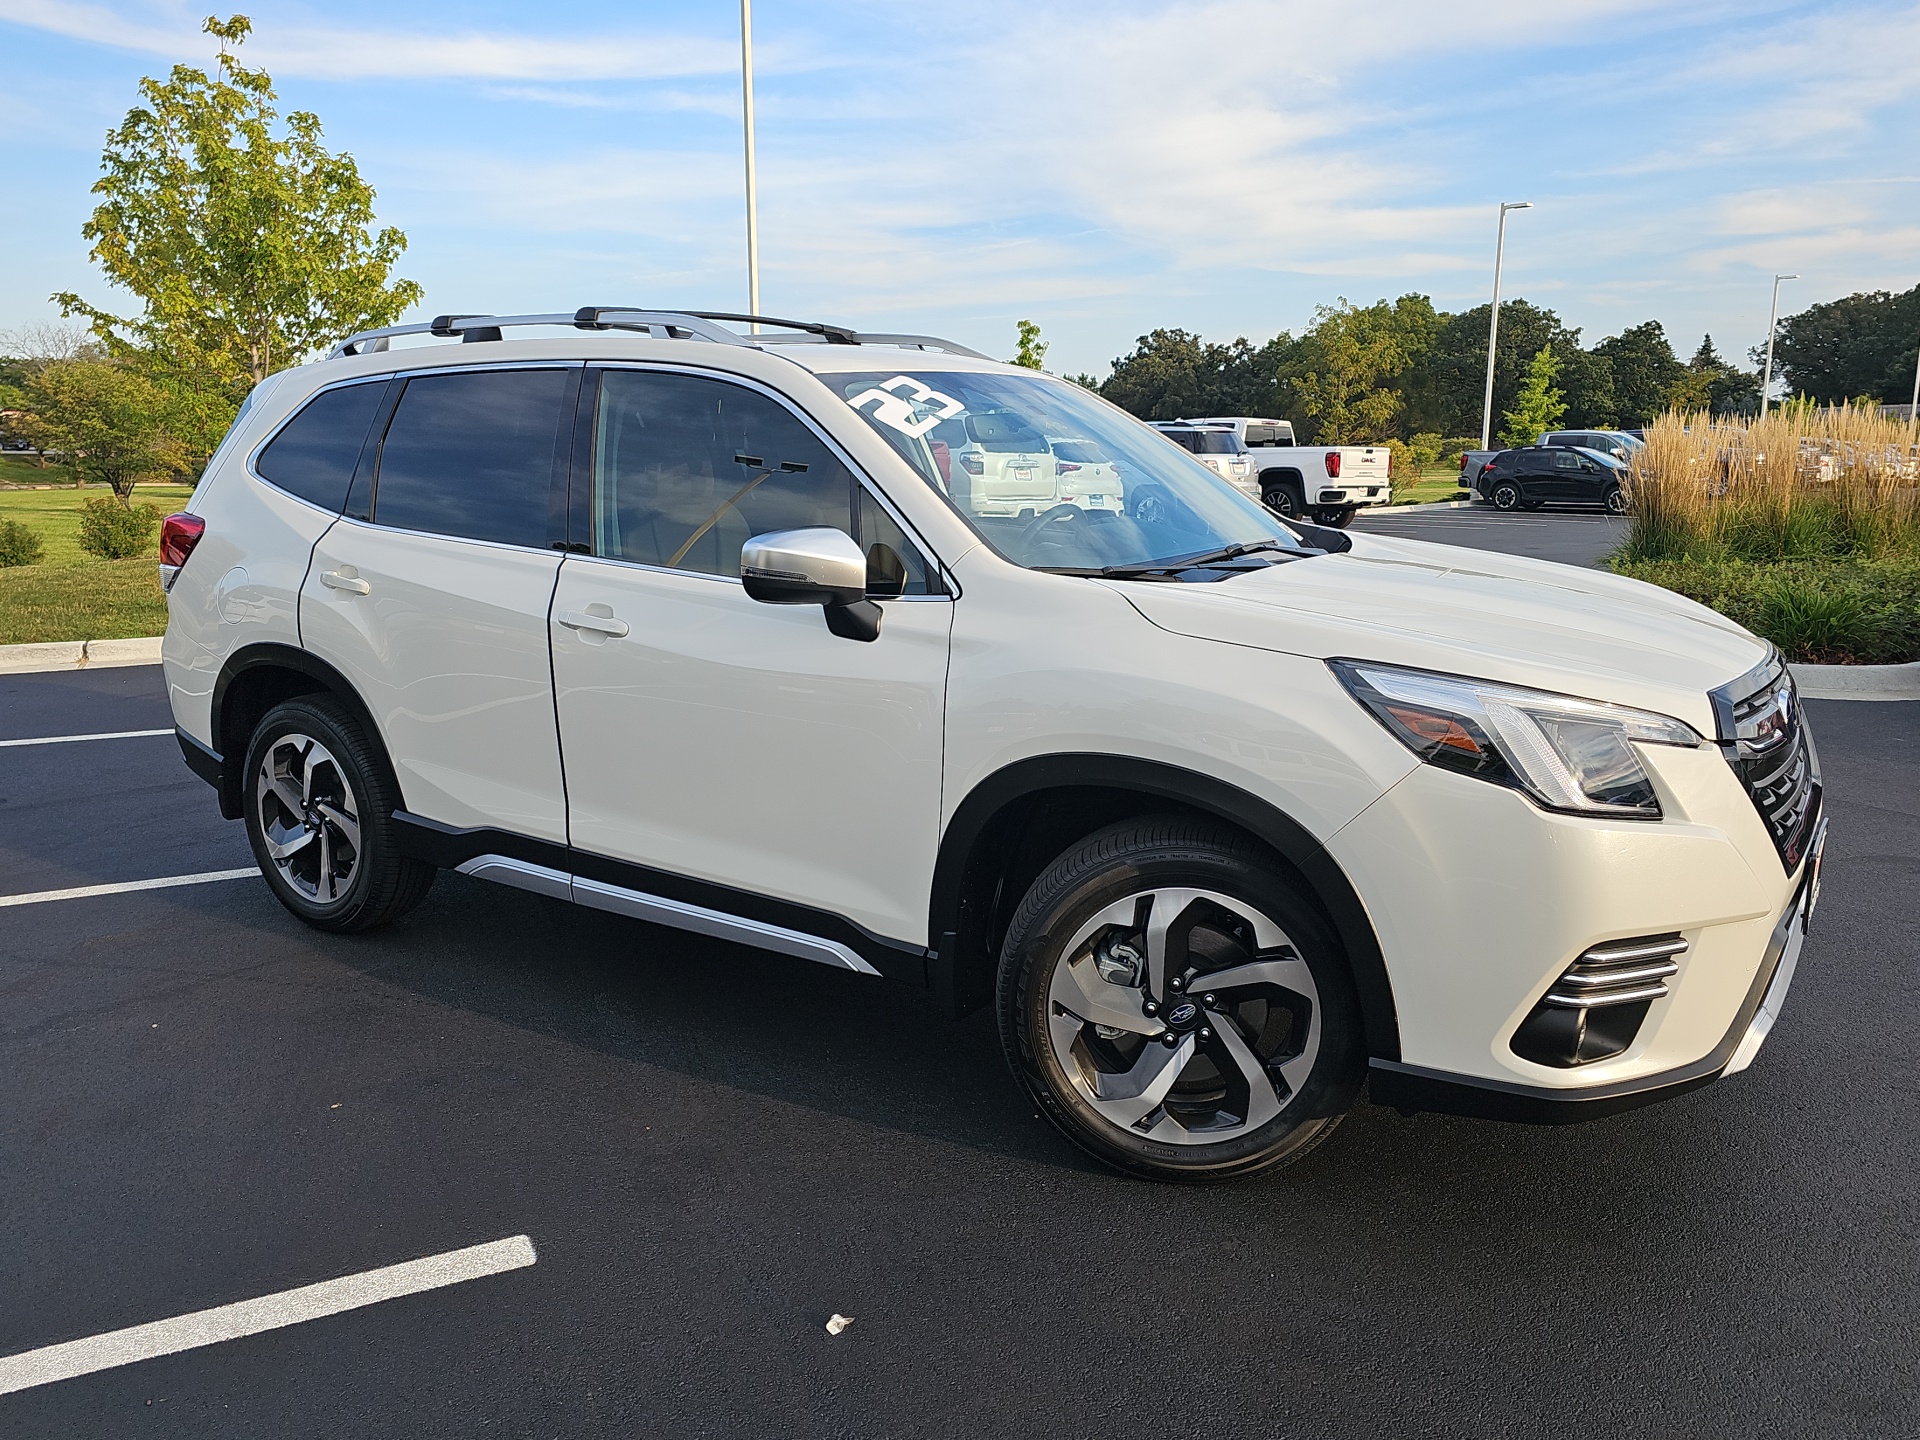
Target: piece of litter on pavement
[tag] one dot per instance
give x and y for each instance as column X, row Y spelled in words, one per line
column 837, row 1323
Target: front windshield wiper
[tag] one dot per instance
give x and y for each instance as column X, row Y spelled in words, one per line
column 1196, row 561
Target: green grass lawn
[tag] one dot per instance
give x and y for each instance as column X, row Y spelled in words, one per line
column 1439, row 483
column 20, row 470
column 71, row 595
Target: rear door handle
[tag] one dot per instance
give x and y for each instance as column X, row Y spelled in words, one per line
column 599, row 624
column 344, row 580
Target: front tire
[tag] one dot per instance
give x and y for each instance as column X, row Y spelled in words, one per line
column 1615, row 500
column 1335, row 517
column 319, row 814
column 1176, row 1007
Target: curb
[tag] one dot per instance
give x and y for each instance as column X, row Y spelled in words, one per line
column 1858, row 682
column 78, row 655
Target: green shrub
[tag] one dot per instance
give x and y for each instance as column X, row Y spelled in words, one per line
column 1863, row 612
column 18, row 545
column 114, row 531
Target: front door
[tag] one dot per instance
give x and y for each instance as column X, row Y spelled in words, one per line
column 435, row 606
column 1561, row 481
column 716, row 740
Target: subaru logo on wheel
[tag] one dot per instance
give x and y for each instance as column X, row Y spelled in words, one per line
column 1183, row 1013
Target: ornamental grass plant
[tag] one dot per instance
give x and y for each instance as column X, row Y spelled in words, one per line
column 1804, row 527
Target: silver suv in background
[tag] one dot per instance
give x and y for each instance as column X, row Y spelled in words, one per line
column 1215, row 446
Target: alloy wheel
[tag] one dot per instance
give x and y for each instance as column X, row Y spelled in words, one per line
column 308, row 817
column 1184, row 1016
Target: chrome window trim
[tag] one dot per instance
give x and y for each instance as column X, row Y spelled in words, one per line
column 839, row 452
column 546, row 550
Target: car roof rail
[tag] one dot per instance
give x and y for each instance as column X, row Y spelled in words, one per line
column 663, row 324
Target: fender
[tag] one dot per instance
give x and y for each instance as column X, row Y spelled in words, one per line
column 1328, row 883
column 265, row 654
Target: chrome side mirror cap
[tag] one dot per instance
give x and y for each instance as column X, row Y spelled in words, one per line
column 816, row 566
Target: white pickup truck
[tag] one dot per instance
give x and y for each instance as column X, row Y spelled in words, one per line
column 1326, row 483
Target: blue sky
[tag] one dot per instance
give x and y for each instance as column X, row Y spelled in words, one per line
column 1102, row 169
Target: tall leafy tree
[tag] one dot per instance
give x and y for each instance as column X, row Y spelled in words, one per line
column 1450, row 385
column 1172, row 374
column 1644, row 371
column 1351, row 362
column 1538, row 405
column 1712, row 383
column 1861, row 345
column 248, row 243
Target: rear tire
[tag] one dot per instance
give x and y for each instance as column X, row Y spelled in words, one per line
column 1283, row 502
column 319, row 809
column 1506, row 495
column 1336, row 517
column 1176, row 1007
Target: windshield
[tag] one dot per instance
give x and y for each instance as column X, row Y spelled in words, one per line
column 1212, row 442
column 988, row 443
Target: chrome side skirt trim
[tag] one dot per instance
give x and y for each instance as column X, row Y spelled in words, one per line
column 520, row 874
column 661, row 911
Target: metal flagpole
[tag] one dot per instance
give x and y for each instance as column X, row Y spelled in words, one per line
column 753, row 201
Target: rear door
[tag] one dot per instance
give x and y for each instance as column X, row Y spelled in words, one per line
column 431, row 593
column 1559, row 475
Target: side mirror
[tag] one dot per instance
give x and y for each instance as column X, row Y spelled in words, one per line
column 817, row 566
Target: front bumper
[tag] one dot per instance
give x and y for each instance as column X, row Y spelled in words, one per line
column 1412, row 1089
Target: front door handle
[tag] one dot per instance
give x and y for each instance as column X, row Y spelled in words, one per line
column 345, row 579
column 598, row 624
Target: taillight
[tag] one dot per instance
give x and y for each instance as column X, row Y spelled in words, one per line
column 1463, row 461
column 973, row 465
column 1064, row 467
column 943, row 457
column 178, row 535
column 1333, row 464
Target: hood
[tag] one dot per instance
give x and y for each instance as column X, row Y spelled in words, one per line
column 1470, row 612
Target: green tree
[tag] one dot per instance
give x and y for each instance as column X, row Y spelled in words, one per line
column 1539, row 405
column 248, row 243
column 1644, row 371
column 1032, row 350
column 1349, row 370
column 1445, row 393
column 1173, row 374
column 1710, row 383
column 1862, row 344
column 108, row 419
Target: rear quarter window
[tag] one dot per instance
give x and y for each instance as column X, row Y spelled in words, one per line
column 314, row 455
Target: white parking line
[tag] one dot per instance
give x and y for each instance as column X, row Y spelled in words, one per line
column 165, row 882
column 70, row 739
column 269, row 1312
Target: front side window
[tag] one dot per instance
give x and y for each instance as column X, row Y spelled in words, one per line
column 687, row 469
column 1154, row 505
column 473, row 455
column 1566, row 460
column 315, row 453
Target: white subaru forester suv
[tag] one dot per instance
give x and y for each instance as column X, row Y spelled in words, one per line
column 1224, row 815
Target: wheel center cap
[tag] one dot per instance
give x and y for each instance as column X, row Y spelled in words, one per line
column 1183, row 1016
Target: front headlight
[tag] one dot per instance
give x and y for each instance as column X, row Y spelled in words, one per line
column 1561, row 752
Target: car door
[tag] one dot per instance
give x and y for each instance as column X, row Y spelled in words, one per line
column 1591, row 481
column 431, row 593
column 720, row 751
column 1559, row 477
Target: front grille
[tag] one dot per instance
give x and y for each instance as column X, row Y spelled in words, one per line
column 1764, row 734
column 1596, row 1007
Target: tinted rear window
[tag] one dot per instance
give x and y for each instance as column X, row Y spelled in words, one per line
column 1269, row 435
column 1214, row 442
column 473, row 455
column 314, row 456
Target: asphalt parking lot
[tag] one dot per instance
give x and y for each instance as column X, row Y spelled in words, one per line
column 1571, row 536
column 713, row 1150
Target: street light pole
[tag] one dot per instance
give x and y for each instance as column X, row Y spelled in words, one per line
column 1493, row 325
column 1773, row 319
column 753, row 199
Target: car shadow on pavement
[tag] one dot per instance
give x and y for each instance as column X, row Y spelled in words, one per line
column 885, row 1055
